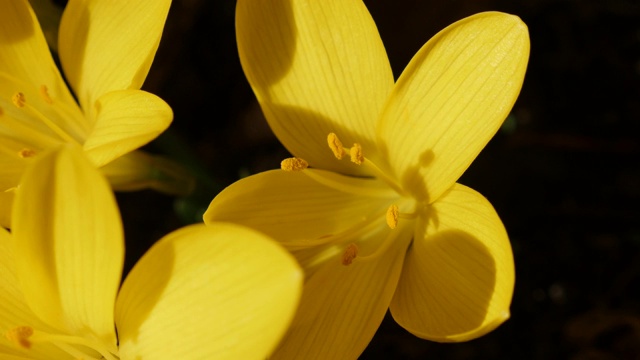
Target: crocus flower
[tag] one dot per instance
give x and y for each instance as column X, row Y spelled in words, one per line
column 106, row 49
column 219, row 292
column 369, row 205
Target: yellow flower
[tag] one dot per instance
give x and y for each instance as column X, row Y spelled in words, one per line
column 106, row 50
column 387, row 226
column 219, row 292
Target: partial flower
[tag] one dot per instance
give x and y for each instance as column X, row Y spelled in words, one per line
column 106, row 49
column 369, row 205
column 217, row 292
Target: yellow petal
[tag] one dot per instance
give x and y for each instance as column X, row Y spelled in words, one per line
column 208, row 292
column 106, row 46
column 458, row 277
column 452, row 98
column 24, row 53
column 69, row 240
column 316, row 67
column 298, row 208
column 14, row 311
column 41, row 116
column 343, row 306
column 125, row 121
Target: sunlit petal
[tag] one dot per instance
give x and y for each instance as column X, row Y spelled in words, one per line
column 208, row 292
column 126, row 120
column 69, row 238
column 24, row 53
column 316, row 67
column 452, row 98
column 14, row 311
column 458, row 277
column 106, row 45
column 342, row 307
column 299, row 209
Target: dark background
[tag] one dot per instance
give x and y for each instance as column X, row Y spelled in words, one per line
column 563, row 173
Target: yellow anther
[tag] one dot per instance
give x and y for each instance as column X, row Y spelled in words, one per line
column 294, row 164
column 18, row 99
column 350, row 254
column 20, row 336
column 392, row 216
column 44, row 92
column 356, row 154
column 335, row 145
column 26, row 153
column 1, row 112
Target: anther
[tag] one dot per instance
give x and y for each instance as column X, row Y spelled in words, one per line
column 392, row 216
column 20, row 336
column 356, row 154
column 293, row 164
column 19, row 99
column 1, row 112
column 335, row 145
column 26, row 153
column 44, row 93
column 349, row 254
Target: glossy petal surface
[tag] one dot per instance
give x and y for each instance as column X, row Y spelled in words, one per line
column 14, row 310
column 341, row 307
column 298, row 209
column 451, row 99
column 126, row 120
column 106, row 46
column 458, row 277
column 216, row 292
column 68, row 236
column 316, row 67
column 24, row 53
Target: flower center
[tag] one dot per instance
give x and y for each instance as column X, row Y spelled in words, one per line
column 79, row 347
column 367, row 234
column 20, row 101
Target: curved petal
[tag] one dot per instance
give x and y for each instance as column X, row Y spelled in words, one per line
column 452, row 98
column 106, row 46
column 458, row 277
column 69, row 240
column 316, row 67
column 24, row 53
column 301, row 209
column 208, row 292
column 343, row 306
column 125, row 121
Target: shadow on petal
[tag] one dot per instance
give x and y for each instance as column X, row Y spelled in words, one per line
column 446, row 288
column 256, row 24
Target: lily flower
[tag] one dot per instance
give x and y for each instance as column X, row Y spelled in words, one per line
column 106, row 50
column 218, row 292
column 370, row 205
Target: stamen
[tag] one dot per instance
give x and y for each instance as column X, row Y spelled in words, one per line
column 44, row 93
column 356, row 154
column 392, row 216
column 26, row 153
column 335, row 145
column 349, row 254
column 293, row 164
column 19, row 99
column 25, row 336
column 20, row 336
